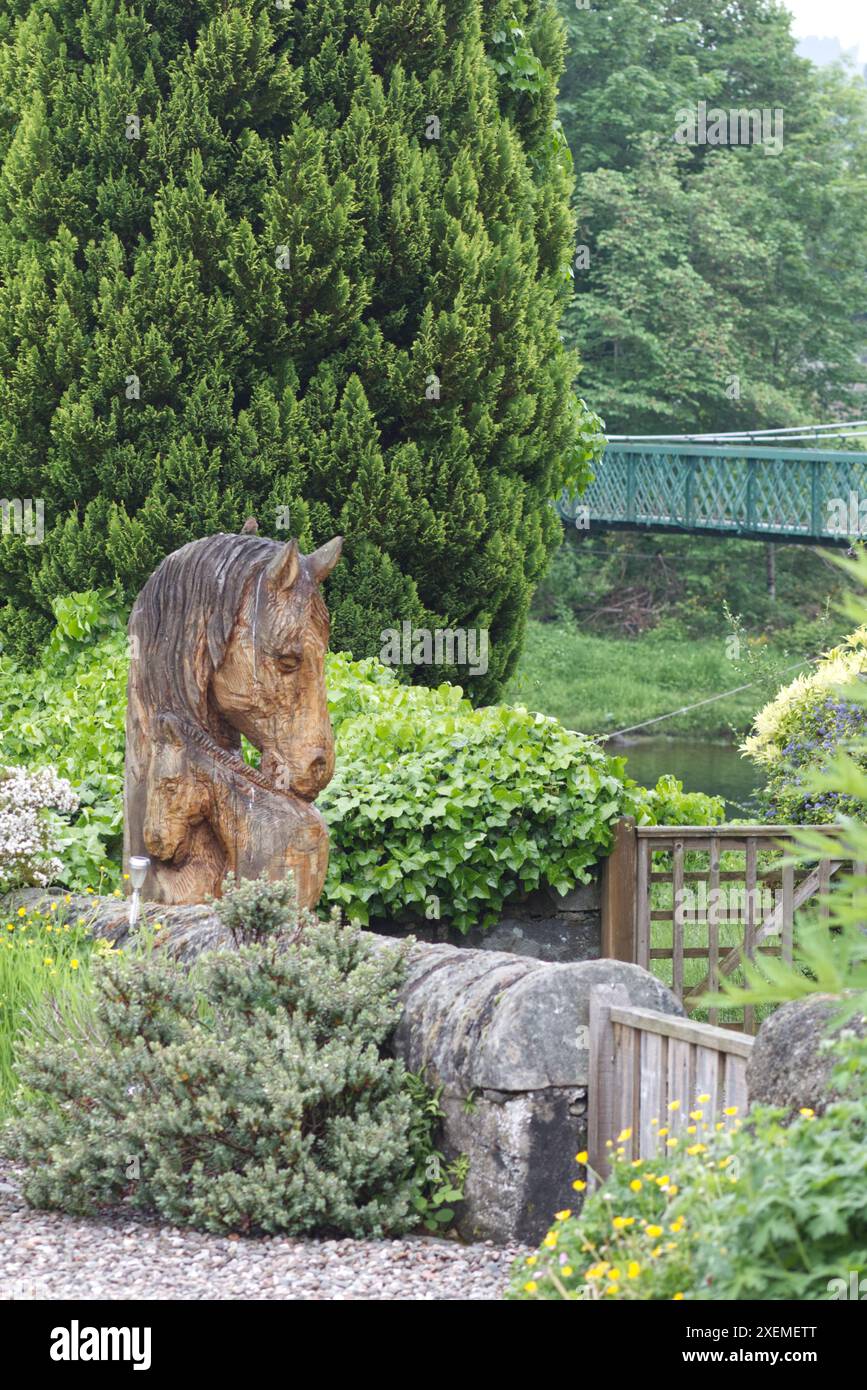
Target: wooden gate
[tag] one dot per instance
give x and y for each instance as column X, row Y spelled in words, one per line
column 692, row 920
column 641, row 1061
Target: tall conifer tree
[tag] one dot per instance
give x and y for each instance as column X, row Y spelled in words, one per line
column 306, row 260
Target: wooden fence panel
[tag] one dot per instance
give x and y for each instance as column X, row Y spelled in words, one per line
column 642, row 1062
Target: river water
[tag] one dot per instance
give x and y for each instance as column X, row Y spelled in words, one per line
column 701, row 766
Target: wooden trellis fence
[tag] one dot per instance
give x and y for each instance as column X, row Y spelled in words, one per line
column 710, row 914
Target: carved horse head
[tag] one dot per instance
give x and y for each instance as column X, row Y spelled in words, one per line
column 270, row 685
column 228, row 638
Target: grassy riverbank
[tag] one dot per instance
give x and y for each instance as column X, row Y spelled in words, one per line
column 600, row 684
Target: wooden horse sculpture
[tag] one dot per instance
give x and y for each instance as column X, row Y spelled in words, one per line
column 228, row 637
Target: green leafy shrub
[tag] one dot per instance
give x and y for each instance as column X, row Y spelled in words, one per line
column 435, row 807
column 68, row 713
column 800, row 732
column 248, row 1093
column 773, row 1209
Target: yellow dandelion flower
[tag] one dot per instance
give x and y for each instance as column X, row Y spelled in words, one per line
column 567, row 1271
column 531, row 1286
column 73, row 965
column 730, row 1110
column 663, row 1131
column 49, row 960
column 703, row 1100
column 656, row 1252
column 636, row 1185
column 633, row 1269
column 677, row 1226
column 582, row 1157
column 562, row 1215
column 807, row 1113
column 692, row 1129
column 614, row 1274
column 654, row 1232
column 578, row 1185
column 532, row 1259
column 613, row 1288
column 624, row 1135
column 677, row 1298
column 674, row 1105
column 696, row 1149
column 671, row 1143
column 550, row 1240
column 22, row 912
column 696, row 1114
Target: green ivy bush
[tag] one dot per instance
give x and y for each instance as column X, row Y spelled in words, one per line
column 772, row 1210
column 248, row 1093
column 436, row 810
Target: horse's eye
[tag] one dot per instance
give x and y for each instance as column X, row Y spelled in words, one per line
column 290, row 661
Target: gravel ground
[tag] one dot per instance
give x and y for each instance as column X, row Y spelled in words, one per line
column 45, row 1255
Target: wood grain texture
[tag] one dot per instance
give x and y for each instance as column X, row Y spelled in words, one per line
column 228, row 637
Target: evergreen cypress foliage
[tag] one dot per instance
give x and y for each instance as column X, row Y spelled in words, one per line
column 248, row 1093
column 243, row 249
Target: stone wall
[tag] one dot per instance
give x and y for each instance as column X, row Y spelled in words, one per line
column 541, row 926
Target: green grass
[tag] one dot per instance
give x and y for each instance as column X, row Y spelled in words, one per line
column 601, row 684
column 43, row 954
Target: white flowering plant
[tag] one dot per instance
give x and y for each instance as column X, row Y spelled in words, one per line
column 32, row 800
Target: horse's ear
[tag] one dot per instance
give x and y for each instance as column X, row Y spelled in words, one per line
column 283, row 569
column 323, row 560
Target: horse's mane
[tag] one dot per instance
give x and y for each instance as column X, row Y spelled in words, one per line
column 183, row 619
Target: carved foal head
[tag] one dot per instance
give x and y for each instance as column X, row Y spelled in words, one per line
column 270, row 684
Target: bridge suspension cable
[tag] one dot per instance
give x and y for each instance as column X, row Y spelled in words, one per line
column 843, row 429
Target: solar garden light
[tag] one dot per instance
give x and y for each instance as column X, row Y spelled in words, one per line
column 138, row 869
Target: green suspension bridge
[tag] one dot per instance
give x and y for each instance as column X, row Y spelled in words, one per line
column 760, row 492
